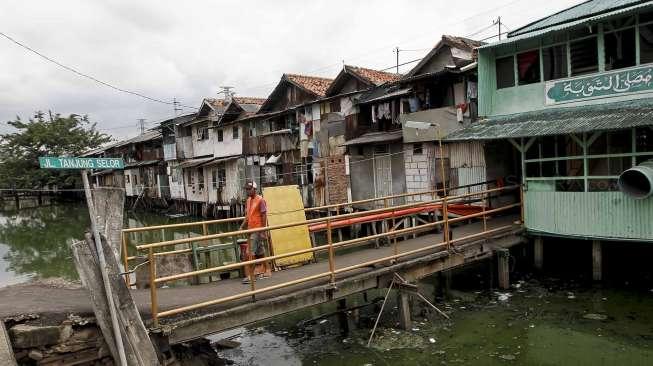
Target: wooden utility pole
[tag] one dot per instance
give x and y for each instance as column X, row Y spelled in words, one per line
column 103, row 269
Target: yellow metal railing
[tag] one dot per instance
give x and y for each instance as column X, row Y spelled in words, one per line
column 330, row 246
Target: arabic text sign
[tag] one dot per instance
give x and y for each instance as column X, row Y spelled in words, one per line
column 606, row 84
column 80, row 163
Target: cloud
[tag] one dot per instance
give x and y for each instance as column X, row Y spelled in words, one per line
column 187, row 50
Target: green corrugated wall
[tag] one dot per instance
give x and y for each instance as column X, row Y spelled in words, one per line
column 589, row 214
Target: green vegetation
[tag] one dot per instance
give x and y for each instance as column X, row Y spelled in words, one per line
column 45, row 135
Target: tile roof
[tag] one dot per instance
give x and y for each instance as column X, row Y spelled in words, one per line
column 314, row 84
column 249, row 100
column 373, row 76
column 561, row 121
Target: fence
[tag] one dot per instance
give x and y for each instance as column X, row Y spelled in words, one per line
column 436, row 205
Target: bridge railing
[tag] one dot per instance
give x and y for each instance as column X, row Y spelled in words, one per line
column 126, row 258
column 439, row 204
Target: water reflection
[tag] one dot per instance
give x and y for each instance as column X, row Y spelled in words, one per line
column 35, row 242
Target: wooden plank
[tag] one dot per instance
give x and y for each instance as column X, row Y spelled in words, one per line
column 6, row 351
column 89, row 273
column 109, row 204
column 138, row 345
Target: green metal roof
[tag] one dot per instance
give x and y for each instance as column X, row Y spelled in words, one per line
column 583, row 10
column 546, row 26
column 561, row 121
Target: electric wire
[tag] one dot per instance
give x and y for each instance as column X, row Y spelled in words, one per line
column 84, row 75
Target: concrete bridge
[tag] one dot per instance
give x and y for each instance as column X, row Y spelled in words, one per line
column 178, row 314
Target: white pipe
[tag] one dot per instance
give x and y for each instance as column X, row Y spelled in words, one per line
column 103, row 269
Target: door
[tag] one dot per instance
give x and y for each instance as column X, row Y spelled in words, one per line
column 382, row 172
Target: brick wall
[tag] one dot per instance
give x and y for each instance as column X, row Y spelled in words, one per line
column 420, row 170
column 337, row 181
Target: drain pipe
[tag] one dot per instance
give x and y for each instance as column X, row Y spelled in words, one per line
column 637, row 181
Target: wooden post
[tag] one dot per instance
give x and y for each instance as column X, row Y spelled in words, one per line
column 403, row 302
column 103, row 269
column 138, row 347
column 521, row 200
column 125, row 262
column 538, row 249
column 6, row 351
column 597, row 260
column 332, row 266
column 445, row 217
column 154, row 306
column 503, row 256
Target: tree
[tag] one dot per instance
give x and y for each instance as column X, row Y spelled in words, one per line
column 53, row 135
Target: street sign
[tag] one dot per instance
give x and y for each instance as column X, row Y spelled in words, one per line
column 80, row 163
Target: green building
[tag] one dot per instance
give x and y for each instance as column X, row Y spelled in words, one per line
column 573, row 93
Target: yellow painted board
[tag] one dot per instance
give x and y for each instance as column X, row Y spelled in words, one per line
column 285, row 205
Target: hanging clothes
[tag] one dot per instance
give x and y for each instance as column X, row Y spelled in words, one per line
column 373, row 113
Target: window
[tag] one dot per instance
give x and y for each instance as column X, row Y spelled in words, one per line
column 214, row 178
column 554, row 62
column 222, row 176
column 381, row 150
column 334, row 105
column 528, row 67
column 220, row 135
column 620, row 49
column 234, row 133
column 200, row 179
column 202, row 133
column 252, row 132
column 505, row 72
column 360, row 150
column 417, row 149
column 646, row 43
column 127, row 178
column 584, row 56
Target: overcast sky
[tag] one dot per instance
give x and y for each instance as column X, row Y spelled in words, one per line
column 188, row 49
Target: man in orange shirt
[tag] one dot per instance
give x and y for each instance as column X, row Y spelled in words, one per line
column 256, row 217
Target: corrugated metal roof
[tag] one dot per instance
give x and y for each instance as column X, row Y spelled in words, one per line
column 375, row 138
column 570, row 24
column 561, row 121
column 194, row 162
column 580, row 11
column 135, row 164
column 221, row 160
column 383, row 93
column 147, row 136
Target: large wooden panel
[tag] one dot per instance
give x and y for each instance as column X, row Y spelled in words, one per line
column 285, row 205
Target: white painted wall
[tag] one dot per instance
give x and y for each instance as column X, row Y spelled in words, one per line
column 202, row 147
column 175, row 180
column 228, row 146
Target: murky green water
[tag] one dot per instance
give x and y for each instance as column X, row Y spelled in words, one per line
column 545, row 322
column 539, row 324
column 35, row 242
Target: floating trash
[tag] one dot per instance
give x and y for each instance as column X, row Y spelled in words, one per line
column 592, row 316
column 432, row 340
column 507, row 357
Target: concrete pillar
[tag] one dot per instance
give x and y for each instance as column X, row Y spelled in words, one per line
column 403, row 304
column 503, row 256
column 343, row 319
column 597, row 260
column 538, row 247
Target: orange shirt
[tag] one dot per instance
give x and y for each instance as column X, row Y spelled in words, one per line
column 255, row 209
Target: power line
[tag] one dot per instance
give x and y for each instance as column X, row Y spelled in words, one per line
column 384, row 48
column 79, row 73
